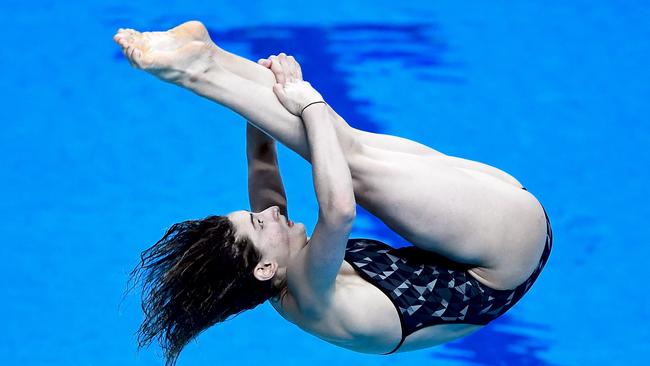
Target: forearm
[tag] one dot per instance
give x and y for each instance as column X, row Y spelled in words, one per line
column 331, row 174
column 265, row 188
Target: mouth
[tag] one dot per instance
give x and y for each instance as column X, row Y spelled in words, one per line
column 287, row 221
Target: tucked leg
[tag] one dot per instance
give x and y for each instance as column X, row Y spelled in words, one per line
column 468, row 216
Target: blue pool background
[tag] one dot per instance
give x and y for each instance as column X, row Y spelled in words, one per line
column 98, row 159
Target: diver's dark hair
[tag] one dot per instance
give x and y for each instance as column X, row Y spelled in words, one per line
column 197, row 275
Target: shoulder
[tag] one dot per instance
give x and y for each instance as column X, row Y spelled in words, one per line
column 298, row 312
column 300, row 298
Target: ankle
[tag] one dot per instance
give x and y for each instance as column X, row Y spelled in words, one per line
column 202, row 68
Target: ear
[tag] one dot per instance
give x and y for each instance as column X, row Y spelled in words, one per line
column 265, row 270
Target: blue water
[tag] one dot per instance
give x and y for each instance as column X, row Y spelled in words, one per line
column 99, row 159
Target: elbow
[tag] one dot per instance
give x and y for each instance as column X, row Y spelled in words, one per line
column 341, row 212
column 348, row 214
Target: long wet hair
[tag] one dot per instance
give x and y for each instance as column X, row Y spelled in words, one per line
column 197, row 275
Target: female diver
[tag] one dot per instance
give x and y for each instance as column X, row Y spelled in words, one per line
column 479, row 238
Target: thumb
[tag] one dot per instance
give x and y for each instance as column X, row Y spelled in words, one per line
column 278, row 89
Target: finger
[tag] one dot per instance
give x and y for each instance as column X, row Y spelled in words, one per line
column 283, row 64
column 276, row 67
column 264, row 62
column 290, row 68
column 294, row 68
column 286, row 68
column 298, row 71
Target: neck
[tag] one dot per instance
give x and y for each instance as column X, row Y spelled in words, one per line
column 280, row 282
column 280, row 278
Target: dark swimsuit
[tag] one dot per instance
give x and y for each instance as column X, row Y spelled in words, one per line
column 428, row 289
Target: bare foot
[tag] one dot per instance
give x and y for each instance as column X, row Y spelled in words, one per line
column 174, row 56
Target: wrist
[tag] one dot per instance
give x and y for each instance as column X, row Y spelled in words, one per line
column 319, row 104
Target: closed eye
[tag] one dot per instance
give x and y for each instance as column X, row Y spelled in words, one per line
column 259, row 222
column 252, row 223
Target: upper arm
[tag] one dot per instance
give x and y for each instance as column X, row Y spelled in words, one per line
column 265, row 187
column 320, row 261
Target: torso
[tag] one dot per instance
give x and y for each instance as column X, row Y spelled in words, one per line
column 362, row 318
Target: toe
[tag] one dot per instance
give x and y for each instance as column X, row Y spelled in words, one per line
column 130, row 52
column 129, row 36
column 134, row 33
column 127, row 52
column 137, row 58
column 122, row 33
column 140, row 40
column 126, row 56
column 122, row 39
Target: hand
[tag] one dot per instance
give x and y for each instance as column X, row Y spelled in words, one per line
column 293, row 92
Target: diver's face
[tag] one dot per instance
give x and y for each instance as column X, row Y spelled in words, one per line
column 272, row 234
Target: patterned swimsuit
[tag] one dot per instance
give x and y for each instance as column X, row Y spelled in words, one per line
column 428, row 289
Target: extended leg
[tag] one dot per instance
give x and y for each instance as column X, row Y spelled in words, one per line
column 252, row 71
column 234, row 81
column 180, row 59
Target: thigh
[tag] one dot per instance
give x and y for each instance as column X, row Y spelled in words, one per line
column 394, row 143
column 403, row 145
column 381, row 141
column 468, row 217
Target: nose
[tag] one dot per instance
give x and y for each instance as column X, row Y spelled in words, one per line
column 274, row 211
